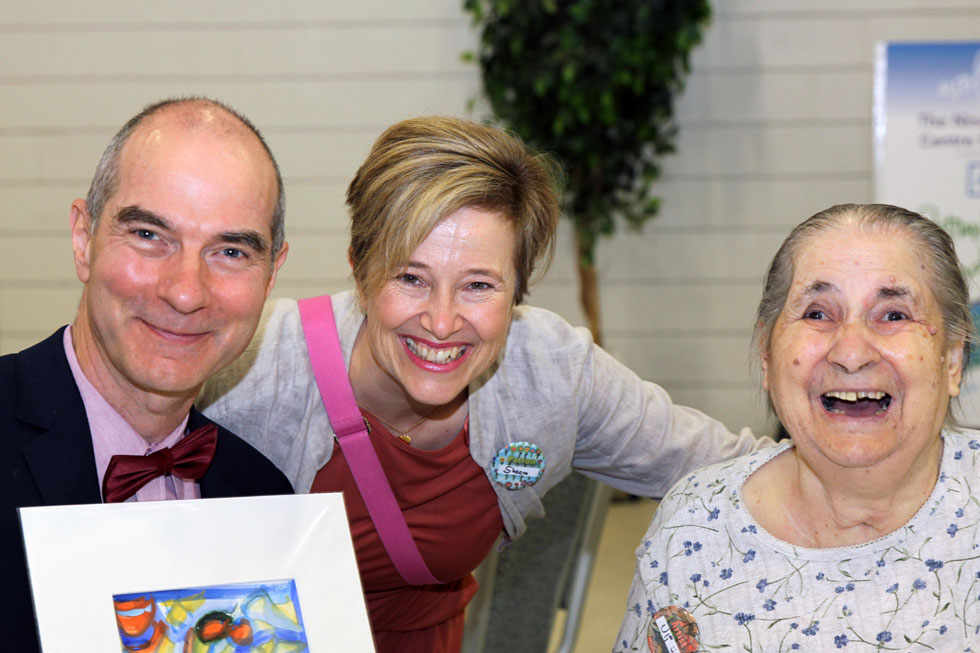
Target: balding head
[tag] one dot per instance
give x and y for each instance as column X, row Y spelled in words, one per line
column 192, row 114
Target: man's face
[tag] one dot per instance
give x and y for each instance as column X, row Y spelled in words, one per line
column 179, row 264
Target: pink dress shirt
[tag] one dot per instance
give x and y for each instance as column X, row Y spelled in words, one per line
column 111, row 435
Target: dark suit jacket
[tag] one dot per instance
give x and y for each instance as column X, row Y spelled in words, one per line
column 47, row 459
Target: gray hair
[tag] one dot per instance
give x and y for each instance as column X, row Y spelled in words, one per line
column 946, row 277
column 106, row 178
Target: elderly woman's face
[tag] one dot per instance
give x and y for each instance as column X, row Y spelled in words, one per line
column 857, row 368
column 443, row 319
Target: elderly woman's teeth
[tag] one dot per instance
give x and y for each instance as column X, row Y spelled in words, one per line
column 854, row 396
column 858, row 403
column 440, row 356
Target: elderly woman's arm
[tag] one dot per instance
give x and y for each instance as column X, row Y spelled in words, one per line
column 697, row 564
column 642, row 602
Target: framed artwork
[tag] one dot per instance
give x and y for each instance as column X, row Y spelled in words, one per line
column 271, row 574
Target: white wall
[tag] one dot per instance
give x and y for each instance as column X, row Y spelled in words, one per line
column 775, row 125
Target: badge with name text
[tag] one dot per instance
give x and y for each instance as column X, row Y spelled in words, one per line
column 518, row 465
column 673, row 630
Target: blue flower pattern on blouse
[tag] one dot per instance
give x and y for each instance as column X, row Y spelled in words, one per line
column 914, row 589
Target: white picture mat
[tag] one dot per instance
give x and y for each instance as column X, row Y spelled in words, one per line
column 80, row 556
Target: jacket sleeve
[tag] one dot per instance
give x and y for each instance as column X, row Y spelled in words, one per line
column 633, row 437
column 595, row 415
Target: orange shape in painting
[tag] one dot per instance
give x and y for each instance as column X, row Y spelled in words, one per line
column 241, row 632
column 135, row 624
column 159, row 628
column 212, row 630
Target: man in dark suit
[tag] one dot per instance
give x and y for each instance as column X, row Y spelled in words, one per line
column 177, row 245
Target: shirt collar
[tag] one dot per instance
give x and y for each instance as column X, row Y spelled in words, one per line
column 111, row 433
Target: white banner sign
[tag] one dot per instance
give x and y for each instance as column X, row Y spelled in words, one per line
column 927, row 153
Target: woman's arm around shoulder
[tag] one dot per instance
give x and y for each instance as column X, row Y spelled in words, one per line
column 629, row 433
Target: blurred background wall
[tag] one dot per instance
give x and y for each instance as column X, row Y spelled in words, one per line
column 775, row 125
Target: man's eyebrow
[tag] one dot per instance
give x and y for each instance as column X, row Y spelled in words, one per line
column 138, row 214
column 251, row 239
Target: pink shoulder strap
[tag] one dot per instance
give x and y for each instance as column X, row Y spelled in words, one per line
column 323, row 345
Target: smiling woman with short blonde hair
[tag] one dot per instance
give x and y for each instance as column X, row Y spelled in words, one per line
column 477, row 403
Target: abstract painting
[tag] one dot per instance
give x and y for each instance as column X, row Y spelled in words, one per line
column 260, row 616
column 135, row 582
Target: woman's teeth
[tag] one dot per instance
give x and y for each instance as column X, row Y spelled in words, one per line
column 858, row 403
column 854, row 396
column 439, row 356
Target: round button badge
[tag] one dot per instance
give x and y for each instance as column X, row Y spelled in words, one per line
column 517, row 465
column 673, row 630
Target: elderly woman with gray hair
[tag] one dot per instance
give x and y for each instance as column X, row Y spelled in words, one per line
column 861, row 530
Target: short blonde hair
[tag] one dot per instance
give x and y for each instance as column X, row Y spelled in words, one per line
column 422, row 170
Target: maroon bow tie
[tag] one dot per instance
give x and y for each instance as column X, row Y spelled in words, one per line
column 188, row 459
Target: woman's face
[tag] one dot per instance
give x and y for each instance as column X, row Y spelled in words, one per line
column 443, row 319
column 857, row 368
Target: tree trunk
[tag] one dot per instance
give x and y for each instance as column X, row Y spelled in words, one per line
column 588, row 288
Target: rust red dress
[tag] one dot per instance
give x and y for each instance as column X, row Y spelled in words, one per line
column 452, row 514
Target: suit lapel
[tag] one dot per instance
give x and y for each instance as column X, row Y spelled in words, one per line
column 62, row 461
column 61, row 457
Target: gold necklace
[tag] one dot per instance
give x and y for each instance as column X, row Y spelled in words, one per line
column 402, row 435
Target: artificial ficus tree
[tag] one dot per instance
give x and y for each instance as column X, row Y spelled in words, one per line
column 593, row 82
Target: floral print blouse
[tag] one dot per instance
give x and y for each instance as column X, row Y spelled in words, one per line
column 916, row 589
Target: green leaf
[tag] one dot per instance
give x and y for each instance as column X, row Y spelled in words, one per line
column 568, row 72
column 558, row 126
column 541, row 86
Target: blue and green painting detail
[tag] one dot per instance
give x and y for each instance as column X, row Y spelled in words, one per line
column 262, row 616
